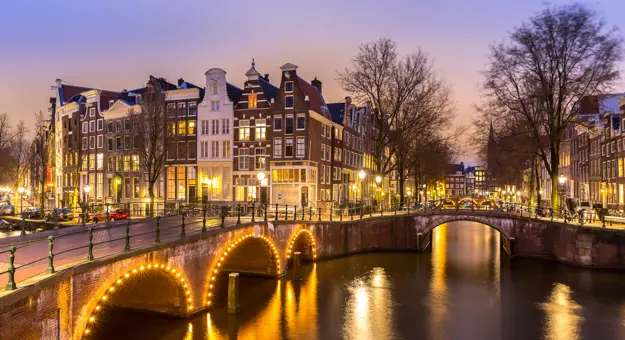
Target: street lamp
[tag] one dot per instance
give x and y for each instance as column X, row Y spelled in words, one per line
column 87, row 189
column 21, row 191
column 378, row 180
column 362, row 175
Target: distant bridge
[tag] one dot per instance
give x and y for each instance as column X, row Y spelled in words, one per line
column 186, row 274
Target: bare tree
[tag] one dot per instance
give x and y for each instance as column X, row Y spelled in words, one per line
column 41, row 156
column 409, row 101
column 149, row 135
column 537, row 77
column 6, row 136
column 19, row 155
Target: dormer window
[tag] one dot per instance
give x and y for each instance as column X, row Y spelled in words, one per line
column 215, row 87
column 288, row 86
column 252, row 101
column 138, row 99
column 288, row 102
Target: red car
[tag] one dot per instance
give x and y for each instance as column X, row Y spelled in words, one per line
column 114, row 215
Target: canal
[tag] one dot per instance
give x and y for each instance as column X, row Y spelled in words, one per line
column 467, row 288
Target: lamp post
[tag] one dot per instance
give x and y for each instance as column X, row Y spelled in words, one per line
column 87, row 189
column 21, row 191
column 362, row 175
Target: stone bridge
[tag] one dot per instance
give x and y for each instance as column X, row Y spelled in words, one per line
column 188, row 275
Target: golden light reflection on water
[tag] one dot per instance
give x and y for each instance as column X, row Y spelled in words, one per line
column 301, row 308
column 563, row 314
column 300, row 313
column 369, row 311
column 438, row 295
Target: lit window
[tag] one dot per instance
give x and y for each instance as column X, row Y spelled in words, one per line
column 244, row 129
column 261, row 129
column 251, row 100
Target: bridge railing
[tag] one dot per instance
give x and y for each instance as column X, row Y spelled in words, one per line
column 27, row 257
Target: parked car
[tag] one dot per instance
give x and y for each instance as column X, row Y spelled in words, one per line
column 61, row 215
column 8, row 210
column 32, row 213
column 114, row 215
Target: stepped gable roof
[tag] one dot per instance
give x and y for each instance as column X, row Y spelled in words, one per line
column 316, row 101
column 234, row 93
column 269, row 90
column 337, row 111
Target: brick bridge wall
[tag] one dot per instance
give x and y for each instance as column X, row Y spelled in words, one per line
column 62, row 304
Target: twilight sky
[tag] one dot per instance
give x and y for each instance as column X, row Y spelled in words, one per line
column 117, row 44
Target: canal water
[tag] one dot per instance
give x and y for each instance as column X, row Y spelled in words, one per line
column 467, row 288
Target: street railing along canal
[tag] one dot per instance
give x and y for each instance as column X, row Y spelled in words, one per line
column 32, row 256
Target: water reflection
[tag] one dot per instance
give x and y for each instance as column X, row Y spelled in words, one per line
column 369, row 309
column 464, row 289
column 563, row 314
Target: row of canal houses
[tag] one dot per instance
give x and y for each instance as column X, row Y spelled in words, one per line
column 264, row 143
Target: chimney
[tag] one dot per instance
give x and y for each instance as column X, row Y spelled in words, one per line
column 348, row 100
column 317, row 84
column 267, row 77
column 180, row 81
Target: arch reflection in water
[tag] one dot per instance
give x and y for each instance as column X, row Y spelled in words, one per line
column 369, row 311
column 289, row 310
column 563, row 315
column 464, row 278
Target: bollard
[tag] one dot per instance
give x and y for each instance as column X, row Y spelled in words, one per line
column 381, row 210
column 204, row 221
column 127, row 246
column 297, row 264
column 303, row 213
column 90, row 248
column 351, row 214
column 294, row 212
column 11, row 270
column 341, row 215
column 265, row 212
column 50, row 269
column 371, row 211
column 395, row 209
column 253, row 211
column 318, row 214
column 158, row 230
column 23, row 233
column 233, row 293
column 361, row 212
column 238, row 214
column 331, row 213
column 56, row 220
column 286, row 212
column 276, row 212
column 182, row 233
column 310, row 214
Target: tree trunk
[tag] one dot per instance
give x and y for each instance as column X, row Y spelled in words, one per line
column 555, row 163
column 532, row 182
column 151, row 193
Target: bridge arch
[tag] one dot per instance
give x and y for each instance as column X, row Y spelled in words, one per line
column 470, row 199
column 487, row 201
column 303, row 241
column 178, row 299
column 503, row 225
column 233, row 251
